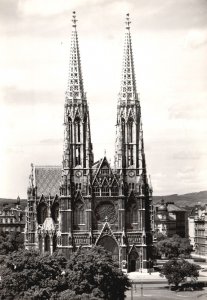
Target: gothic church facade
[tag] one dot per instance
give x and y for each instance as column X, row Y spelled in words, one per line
column 85, row 203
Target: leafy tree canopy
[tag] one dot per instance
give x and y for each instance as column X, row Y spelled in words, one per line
column 94, row 271
column 10, row 241
column 27, row 275
column 177, row 270
column 89, row 273
column 174, row 246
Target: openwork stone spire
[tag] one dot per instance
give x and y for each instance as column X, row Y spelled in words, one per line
column 75, row 88
column 128, row 81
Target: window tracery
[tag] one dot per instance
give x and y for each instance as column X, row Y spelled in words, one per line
column 79, row 217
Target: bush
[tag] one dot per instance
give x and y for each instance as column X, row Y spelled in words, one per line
column 199, row 259
column 178, row 270
column 192, row 286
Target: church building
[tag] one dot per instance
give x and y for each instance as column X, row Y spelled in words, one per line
column 83, row 203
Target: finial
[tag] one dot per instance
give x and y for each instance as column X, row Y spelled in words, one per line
column 105, row 152
column 128, row 22
column 74, row 20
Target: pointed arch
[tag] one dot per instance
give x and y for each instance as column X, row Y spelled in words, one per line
column 41, row 212
column 55, row 212
column 114, row 188
column 77, row 122
column 111, row 245
column 79, row 213
column 96, row 188
column 105, row 188
column 131, row 211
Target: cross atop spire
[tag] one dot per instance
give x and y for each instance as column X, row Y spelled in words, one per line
column 128, row 82
column 127, row 22
column 75, row 89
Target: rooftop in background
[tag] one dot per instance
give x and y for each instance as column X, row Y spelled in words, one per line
column 4, row 202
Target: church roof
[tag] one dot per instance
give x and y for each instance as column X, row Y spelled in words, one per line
column 47, row 180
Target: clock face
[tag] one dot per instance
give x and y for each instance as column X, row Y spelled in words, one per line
column 78, row 173
column 131, row 173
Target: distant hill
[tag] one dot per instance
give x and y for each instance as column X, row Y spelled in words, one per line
column 184, row 200
column 190, row 199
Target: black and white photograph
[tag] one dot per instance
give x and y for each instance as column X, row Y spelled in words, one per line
column 103, row 149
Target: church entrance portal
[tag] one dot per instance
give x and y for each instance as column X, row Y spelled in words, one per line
column 110, row 244
column 134, row 263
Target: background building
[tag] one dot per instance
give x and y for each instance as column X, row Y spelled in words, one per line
column 200, row 225
column 170, row 219
column 12, row 215
column 85, row 203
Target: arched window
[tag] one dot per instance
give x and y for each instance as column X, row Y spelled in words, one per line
column 79, row 214
column 69, row 130
column 130, row 130
column 123, row 130
column 114, row 189
column 55, row 212
column 77, row 155
column 77, row 130
column 41, row 213
column 130, row 155
column 131, row 215
column 47, row 243
column 105, row 189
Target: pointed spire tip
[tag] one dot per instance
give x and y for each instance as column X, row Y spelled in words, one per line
column 74, row 20
column 127, row 22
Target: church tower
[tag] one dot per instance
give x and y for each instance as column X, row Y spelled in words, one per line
column 75, row 191
column 130, row 161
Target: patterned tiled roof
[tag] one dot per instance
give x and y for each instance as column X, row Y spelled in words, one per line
column 47, row 180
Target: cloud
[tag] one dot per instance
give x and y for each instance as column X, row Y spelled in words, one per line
column 16, row 96
column 52, row 17
column 10, row 10
column 188, row 155
column 189, row 109
column 51, row 142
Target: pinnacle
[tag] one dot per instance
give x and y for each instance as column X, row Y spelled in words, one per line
column 128, row 82
column 75, row 89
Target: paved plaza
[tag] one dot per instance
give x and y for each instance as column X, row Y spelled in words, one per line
column 153, row 287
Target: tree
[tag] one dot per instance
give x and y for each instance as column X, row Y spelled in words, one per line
column 28, row 275
column 177, row 270
column 94, row 272
column 10, row 241
column 174, row 246
column 89, row 273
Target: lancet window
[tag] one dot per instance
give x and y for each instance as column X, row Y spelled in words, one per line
column 77, row 155
column 114, row 190
column 130, row 130
column 123, row 130
column 105, row 189
column 55, row 212
column 130, row 155
column 41, row 213
column 79, row 213
column 77, row 130
column 96, row 189
column 131, row 215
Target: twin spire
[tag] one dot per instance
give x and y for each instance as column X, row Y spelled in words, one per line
column 75, row 89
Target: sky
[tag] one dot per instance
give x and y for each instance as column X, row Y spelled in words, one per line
column 169, row 39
